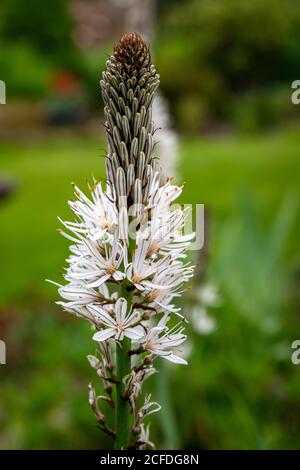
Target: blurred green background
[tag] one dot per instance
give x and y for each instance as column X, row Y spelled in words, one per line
column 226, row 71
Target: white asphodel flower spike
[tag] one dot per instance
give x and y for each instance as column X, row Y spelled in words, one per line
column 126, row 284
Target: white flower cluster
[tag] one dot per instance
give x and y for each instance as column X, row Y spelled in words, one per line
column 100, row 262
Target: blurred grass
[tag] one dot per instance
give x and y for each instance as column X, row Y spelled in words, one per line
column 218, row 169
column 30, row 248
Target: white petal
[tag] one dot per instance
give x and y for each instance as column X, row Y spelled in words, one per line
column 118, row 276
column 175, row 359
column 104, row 334
column 102, row 314
column 121, row 309
column 150, row 285
column 134, row 333
column 54, row 283
column 160, row 352
column 99, row 281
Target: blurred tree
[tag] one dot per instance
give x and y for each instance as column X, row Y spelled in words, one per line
column 45, row 27
column 223, row 49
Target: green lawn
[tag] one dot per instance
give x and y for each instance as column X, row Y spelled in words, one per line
column 215, row 169
column 31, row 250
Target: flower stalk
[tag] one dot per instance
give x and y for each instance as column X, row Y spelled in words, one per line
column 127, row 262
column 123, row 417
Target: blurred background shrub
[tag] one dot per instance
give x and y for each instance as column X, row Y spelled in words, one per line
column 32, row 84
column 47, row 30
column 229, row 60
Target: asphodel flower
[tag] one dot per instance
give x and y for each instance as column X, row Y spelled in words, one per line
column 120, row 324
column 161, row 342
column 126, row 284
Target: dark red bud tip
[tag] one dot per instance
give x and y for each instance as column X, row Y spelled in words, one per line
column 132, row 52
column 131, row 41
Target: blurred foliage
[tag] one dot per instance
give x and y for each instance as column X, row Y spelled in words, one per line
column 244, row 382
column 226, row 62
column 44, row 402
column 47, row 29
column 262, row 109
column 40, row 41
column 231, row 60
column 249, row 263
column 35, row 82
column 47, row 190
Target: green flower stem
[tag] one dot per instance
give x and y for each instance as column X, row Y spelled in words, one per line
column 123, row 417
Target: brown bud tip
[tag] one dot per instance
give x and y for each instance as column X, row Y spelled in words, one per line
column 132, row 51
column 131, row 42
